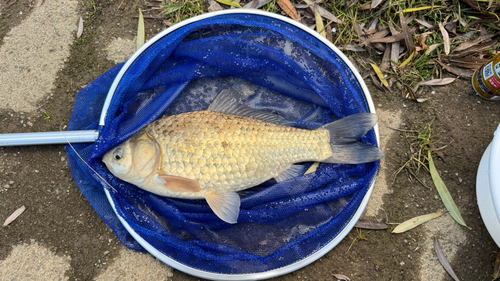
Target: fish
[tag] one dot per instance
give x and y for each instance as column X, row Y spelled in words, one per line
column 214, row 153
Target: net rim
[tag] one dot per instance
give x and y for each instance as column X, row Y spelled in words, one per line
column 249, row 276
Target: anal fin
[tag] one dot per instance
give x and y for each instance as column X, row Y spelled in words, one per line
column 292, row 172
column 226, row 205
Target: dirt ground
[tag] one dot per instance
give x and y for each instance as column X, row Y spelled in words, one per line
column 59, row 217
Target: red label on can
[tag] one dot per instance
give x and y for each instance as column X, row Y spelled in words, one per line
column 494, row 82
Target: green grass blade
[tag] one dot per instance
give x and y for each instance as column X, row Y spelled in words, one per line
column 140, row 31
column 444, row 193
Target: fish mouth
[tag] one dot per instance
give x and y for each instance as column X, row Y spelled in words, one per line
column 106, row 161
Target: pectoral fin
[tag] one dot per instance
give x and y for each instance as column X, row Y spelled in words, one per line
column 179, row 184
column 226, row 205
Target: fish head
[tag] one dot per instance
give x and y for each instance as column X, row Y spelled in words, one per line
column 119, row 160
column 135, row 159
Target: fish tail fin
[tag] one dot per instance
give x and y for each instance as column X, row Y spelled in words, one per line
column 345, row 134
column 354, row 153
column 351, row 128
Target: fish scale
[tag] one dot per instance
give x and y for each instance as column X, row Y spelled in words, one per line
column 231, row 153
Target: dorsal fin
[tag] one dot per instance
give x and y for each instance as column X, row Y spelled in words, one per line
column 230, row 101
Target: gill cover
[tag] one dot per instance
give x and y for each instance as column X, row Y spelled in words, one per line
column 145, row 155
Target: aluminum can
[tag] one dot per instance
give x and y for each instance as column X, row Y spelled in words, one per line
column 486, row 79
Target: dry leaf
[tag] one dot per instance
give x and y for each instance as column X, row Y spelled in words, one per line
column 408, row 60
column 477, row 49
column 375, row 3
column 394, row 47
column 425, row 23
column 214, row 6
column 431, row 48
column 80, row 28
column 323, row 12
column 140, row 31
column 388, row 39
column 380, row 34
column 442, row 259
column 457, row 71
column 14, row 216
column 406, row 32
column 414, row 222
column 319, row 23
column 385, row 59
column 435, row 82
column 365, row 224
column 329, row 33
column 230, row 3
column 312, row 169
column 471, row 63
column 353, row 48
column 373, row 26
column 255, row 4
column 446, row 39
column 288, row 8
column 341, row 277
column 472, row 42
column 421, row 41
column 380, row 74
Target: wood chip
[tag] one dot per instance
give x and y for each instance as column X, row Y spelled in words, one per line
column 14, row 216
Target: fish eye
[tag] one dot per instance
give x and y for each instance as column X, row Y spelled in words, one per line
column 118, row 154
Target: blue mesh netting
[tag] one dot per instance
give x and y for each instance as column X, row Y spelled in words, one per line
column 280, row 68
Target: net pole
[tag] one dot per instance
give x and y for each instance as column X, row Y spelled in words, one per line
column 19, row 139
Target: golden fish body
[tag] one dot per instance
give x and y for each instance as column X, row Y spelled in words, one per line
column 231, row 153
column 212, row 154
